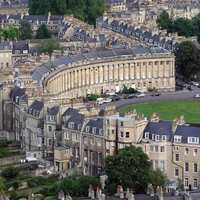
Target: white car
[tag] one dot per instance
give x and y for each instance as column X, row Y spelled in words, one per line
column 100, row 101
column 197, row 96
column 140, row 95
column 195, row 83
column 108, row 100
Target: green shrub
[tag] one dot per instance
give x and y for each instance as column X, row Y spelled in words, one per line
column 10, row 173
column 8, row 185
column 44, row 191
column 128, row 90
column 15, row 185
column 13, row 195
column 50, row 197
column 22, row 199
column 94, row 97
column 40, row 196
column 30, row 183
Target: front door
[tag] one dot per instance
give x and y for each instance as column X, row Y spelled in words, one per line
column 150, row 85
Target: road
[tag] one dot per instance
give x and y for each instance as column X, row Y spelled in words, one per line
column 184, row 94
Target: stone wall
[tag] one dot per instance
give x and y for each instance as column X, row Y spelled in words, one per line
column 12, row 159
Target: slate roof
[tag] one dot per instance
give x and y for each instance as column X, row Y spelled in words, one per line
column 159, row 50
column 5, row 46
column 98, row 124
column 54, row 111
column 159, row 128
column 70, row 111
column 141, row 51
column 20, row 46
column 16, row 91
column 76, row 120
column 35, row 108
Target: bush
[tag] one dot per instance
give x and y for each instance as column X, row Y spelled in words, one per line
column 44, row 191
column 50, row 197
column 94, row 97
column 13, row 195
column 10, row 173
column 40, row 196
column 22, row 199
column 30, row 183
column 128, row 90
column 15, row 185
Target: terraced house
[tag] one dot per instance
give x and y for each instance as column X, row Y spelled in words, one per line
column 104, row 71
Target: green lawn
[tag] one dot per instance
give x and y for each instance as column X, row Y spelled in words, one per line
column 8, row 165
column 34, row 189
column 169, row 110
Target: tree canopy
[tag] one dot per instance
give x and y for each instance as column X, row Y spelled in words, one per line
column 42, row 32
column 9, row 33
column 184, row 27
column 25, row 30
column 85, row 10
column 48, row 45
column 187, row 59
column 130, row 168
column 2, row 187
column 164, row 22
column 10, row 173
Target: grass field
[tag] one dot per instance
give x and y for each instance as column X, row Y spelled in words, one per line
column 169, row 110
column 8, row 165
column 34, row 189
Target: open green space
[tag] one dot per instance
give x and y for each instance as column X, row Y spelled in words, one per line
column 8, row 165
column 34, row 189
column 169, row 110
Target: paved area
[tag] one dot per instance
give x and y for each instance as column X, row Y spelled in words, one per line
column 184, row 94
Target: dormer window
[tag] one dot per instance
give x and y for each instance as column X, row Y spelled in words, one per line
column 51, row 118
column 157, row 137
column 17, row 99
column 153, row 136
column 47, row 117
column 163, row 137
column 94, row 130
column 51, row 22
column 87, row 128
column 193, row 140
column 25, row 51
column 147, row 135
column 59, row 22
column 79, row 127
column 100, row 131
column 71, row 125
column 177, row 138
column 30, row 110
column 37, row 113
column 17, row 51
column 34, row 112
column 17, row 21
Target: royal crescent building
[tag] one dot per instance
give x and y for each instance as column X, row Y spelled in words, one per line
column 98, row 72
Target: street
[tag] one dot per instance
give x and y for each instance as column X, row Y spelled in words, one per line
column 184, row 94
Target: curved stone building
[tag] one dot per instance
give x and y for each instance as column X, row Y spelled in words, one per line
column 107, row 71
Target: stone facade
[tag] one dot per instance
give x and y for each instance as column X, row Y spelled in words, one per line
column 109, row 71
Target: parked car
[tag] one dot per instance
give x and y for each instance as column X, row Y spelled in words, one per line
column 140, row 95
column 130, row 96
column 195, row 83
column 156, row 94
column 116, row 98
column 190, row 88
column 197, row 96
column 100, row 101
column 108, row 100
column 181, row 84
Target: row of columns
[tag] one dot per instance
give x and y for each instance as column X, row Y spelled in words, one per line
column 109, row 73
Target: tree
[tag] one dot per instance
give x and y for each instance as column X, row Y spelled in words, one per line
column 184, row 27
column 10, row 173
column 42, row 32
column 2, row 187
column 158, row 177
column 25, row 30
column 130, row 168
column 187, row 59
column 164, row 22
column 47, row 46
column 9, row 33
column 85, row 10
